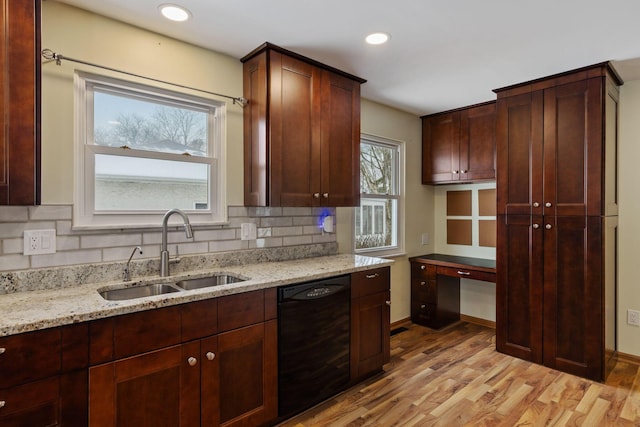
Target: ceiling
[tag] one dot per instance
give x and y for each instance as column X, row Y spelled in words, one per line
column 442, row 54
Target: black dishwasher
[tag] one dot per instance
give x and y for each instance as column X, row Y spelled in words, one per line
column 314, row 320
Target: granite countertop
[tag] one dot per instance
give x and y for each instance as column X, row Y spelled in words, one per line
column 33, row 310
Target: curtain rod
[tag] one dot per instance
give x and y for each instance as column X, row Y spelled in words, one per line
column 52, row 56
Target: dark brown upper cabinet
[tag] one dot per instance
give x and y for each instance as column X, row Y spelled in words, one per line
column 459, row 145
column 20, row 91
column 301, row 131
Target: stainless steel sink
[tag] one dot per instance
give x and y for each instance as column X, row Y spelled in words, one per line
column 138, row 292
column 205, row 282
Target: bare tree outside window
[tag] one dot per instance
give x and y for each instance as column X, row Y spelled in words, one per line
column 375, row 218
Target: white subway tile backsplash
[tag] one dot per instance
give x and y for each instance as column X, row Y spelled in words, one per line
column 12, row 246
column 286, row 231
column 66, row 258
column 276, row 221
column 14, row 262
column 228, row 245
column 305, row 220
column 297, row 240
column 16, row 229
column 264, row 211
column 296, row 211
column 193, row 248
column 270, row 242
column 67, row 243
column 14, row 213
column 51, row 212
column 110, row 240
column 235, row 211
column 206, row 235
column 312, row 229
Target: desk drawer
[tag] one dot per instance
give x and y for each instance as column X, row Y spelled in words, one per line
column 425, row 290
column 466, row 273
column 425, row 271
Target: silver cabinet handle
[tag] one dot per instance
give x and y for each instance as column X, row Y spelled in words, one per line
column 463, row 171
column 2, row 403
column 388, row 303
column 548, row 204
column 536, row 204
column 325, row 195
column 464, row 273
column 423, row 283
column 548, row 226
column 211, row 355
column 192, row 361
column 423, row 306
column 2, row 350
column 372, row 276
column 422, row 267
column 316, row 195
column 455, row 172
column 535, row 226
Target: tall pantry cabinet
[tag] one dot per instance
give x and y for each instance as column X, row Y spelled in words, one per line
column 557, row 220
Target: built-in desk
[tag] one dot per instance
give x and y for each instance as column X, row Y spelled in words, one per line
column 435, row 286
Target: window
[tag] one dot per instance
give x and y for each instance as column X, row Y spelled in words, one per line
column 143, row 150
column 376, row 219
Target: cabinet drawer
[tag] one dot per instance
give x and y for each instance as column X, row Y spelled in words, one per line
column 237, row 311
column 421, row 270
column 40, row 354
column 423, row 313
column 370, row 282
column 424, row 290
column 466, row 274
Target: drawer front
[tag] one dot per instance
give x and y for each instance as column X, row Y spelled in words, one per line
column 424, row 290
column 30, row 356
column 466, row 273
column 423, row 313
column 239, row 310
column 370, row 282
column 422, row 270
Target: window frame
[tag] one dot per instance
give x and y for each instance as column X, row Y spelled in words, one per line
column 399, row 185
column 85, row 215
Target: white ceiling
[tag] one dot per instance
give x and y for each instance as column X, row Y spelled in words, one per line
column 442, row 54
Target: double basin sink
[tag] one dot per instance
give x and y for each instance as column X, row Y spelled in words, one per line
column 152, row 289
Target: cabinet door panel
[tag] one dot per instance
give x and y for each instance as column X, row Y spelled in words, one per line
column 370, row 324
column 295, row 137
column 519, row 154
column 573, row 323
column 519, row 287
column 340, row 133
column 440, row 149
column 159, row 388
column 573, row 148
column 478, row 143
column 247, row 359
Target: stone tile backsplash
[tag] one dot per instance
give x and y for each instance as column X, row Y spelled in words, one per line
column 89, row 256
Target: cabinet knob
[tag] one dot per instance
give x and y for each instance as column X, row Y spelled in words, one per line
column 2, row 403
column 192, row 361
column 316, row 195
column 423, row 306
column 422, row 267
column 423, row 283
column 463, row 171
column 536, row 226
column 372, row 276
column 388, row 303
column 325, row 195
column 536, row 204
column 2, row 350
column 454, row 171
column 548, row 226
column 548, row 204
column 210, row 355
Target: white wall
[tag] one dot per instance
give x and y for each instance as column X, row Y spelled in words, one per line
column 629, row 216
column 417, row 218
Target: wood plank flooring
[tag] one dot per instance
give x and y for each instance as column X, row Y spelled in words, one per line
column 455, row 377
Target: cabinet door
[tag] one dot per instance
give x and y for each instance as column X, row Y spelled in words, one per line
column 440, row 149
column 573, row 148
column 340, row 133
column 248, row 378
column 160, row 388
column 294, row 131
column 478, row 143
column 519, row 136
column 20, row 81
column 573, row 304
column 370, row 324
column 519, row 287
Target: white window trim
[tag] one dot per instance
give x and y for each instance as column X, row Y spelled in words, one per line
column 84, row 216
column 397, row 250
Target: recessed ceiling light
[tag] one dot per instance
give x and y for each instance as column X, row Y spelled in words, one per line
column 174, row 12
column 377, row 38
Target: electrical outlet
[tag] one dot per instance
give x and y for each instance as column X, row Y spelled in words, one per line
column 633, row 317
column 425, row 239
column 38, row 242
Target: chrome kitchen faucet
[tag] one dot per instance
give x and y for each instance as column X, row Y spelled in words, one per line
column 164, row 252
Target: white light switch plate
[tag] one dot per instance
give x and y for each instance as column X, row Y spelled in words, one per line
column 38, row 242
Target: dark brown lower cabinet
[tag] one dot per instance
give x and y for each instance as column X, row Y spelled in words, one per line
column 370, row 322
column 551, row 291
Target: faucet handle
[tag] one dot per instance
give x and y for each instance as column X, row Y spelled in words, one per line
column 125, row 273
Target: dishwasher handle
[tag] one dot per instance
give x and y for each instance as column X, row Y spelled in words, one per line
column 316, row 292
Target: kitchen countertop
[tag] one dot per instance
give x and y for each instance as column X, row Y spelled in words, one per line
column 33, row 310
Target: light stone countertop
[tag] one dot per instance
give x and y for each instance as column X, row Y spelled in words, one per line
column 33, row 310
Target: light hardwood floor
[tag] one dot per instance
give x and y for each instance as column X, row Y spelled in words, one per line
column 455, row 377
